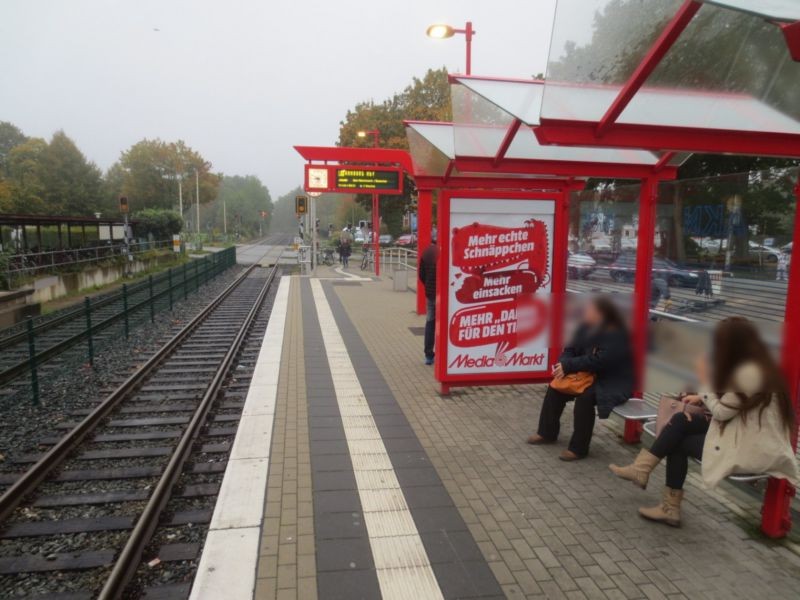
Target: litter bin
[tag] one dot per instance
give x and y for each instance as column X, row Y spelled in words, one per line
column 400, row 280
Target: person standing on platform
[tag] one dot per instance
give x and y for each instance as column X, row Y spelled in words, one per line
column 427, row 277
column 346, row 240
column 783, row 267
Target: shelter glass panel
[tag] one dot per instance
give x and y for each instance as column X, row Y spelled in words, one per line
column 723, row 248
column 428, row 145
column 479, row 125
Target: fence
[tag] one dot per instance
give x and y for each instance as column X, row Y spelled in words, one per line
column 25, row 348
column 36, row 263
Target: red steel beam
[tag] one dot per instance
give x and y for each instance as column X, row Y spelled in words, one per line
column 343, row 154
column 509, row 137
column 492, row 183
column 649, row 63
column 560, row 168
column 679, row 139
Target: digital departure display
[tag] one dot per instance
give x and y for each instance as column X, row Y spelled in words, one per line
column 355, row 179
column 359, row 179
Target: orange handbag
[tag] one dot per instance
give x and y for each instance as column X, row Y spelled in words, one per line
column 573, row 384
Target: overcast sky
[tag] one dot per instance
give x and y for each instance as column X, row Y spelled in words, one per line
column 241, row 81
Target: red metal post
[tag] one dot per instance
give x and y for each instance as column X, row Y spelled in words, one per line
column 424, row 230
column 645, row 246
column 558, row 287
column 376, row 233
column 649, row 63
column 468, row 33
column 776, row 520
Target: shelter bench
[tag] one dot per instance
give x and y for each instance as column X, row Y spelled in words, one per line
column 635, row 412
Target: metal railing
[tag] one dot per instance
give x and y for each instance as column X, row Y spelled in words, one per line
column 33, row 263
column 25, row 349
column 399, row 257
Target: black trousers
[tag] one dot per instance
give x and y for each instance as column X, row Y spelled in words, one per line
column 583, row 418
column 430, row 327
column 680, row 439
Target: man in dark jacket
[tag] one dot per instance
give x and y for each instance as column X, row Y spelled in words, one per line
column 427, row 277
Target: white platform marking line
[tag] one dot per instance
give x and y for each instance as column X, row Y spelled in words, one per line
column 228, row 564
column 402, row 566
column 352, row 276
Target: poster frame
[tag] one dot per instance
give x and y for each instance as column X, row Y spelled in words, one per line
column 558, row 239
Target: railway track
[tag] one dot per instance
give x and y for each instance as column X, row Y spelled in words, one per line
column 115, row 507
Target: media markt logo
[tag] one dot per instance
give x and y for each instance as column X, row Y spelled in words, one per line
column 516, row 359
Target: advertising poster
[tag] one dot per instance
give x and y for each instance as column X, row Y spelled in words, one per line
column 499, row 282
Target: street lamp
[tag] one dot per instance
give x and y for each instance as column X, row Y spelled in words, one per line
column 440, row 31
column 373, row 132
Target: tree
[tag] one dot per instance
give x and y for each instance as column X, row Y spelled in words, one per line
column 243, row 197
column 424, row 99
column 158, row 223
column 50, row 178
column 10, row 137
column 72, row 185
column 24, row 168
column 148, row 173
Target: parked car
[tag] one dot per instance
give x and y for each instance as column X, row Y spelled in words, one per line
column 580, row 265
column 385, row 239
column 407, row 239
column 358, row 237
column 765, row 252
column 624, row 269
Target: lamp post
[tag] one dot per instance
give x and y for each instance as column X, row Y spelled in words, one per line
column 376, row 135
column 441, row 31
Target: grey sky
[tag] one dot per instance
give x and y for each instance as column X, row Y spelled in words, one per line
column 241, row 81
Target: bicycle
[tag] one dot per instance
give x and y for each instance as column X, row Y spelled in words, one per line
column 366, row 259
column 327, row 257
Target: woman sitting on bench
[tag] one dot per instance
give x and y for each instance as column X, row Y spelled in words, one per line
column 601, row 347
column 746, row 429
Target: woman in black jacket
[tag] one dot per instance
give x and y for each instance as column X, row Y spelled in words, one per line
column 601, row 346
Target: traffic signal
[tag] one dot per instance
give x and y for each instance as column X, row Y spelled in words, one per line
column 300, row 205
column 123, row 205
column 263, row 214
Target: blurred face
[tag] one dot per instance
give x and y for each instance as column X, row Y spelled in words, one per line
column 591, row 315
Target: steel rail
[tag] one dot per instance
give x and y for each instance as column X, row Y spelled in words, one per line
column 14, row 371
column 31, row 478
column 127, row 563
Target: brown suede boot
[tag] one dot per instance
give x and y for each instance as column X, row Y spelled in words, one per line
column 639, row 470
column 669, row 511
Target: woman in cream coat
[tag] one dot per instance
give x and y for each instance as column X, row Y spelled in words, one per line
column 746, row 429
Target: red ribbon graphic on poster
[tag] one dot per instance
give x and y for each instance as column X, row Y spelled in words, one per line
column 504, row 267
column 478, row 248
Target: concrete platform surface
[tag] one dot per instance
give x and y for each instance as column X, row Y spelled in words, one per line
column 378, row 487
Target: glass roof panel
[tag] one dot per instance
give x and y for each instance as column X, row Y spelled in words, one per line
column 431, row 147
column 599, row 43
column 523, row 99
column 729, row 70
column 784, row 10
column 735, row 70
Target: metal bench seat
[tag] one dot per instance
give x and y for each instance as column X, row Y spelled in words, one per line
column 650, row 427
column 636, row 409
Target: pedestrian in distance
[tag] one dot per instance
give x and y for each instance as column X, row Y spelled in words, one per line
column 346, row 240
column 600, row 352
column 781, row 273
column 746, row 426
column 427, row 278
